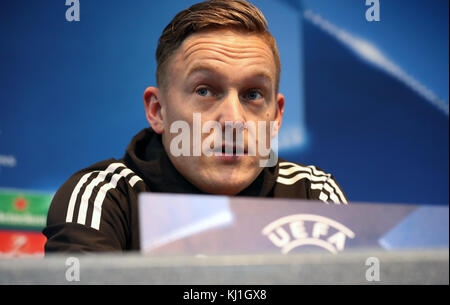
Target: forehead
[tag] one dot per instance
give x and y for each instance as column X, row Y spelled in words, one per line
column 221, row 48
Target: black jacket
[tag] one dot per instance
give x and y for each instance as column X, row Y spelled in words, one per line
column 96, row 209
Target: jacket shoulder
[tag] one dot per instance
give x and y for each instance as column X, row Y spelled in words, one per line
column 308, row 182
column 91, row 211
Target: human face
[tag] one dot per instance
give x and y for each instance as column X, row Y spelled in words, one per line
column 225, row 76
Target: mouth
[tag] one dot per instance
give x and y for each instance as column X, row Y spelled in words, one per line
column 231, row 151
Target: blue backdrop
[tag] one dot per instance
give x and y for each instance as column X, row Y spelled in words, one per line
column 366, row 101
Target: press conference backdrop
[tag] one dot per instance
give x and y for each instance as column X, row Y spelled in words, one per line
column 366, row 101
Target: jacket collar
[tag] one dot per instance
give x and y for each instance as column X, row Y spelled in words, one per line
column 146, row 156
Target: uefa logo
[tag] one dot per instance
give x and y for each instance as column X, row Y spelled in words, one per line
column 299, row 230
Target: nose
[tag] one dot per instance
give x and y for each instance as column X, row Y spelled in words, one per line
column 231, row 109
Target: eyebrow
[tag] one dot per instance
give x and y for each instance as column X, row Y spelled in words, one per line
column 200, row 68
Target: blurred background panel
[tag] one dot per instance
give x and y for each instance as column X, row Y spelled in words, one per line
column 376, row 98
column 366, row 101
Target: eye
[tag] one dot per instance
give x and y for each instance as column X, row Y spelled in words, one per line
column 253, row 95
column 203, row 92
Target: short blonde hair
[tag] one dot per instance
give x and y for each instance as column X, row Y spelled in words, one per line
column 238, row 15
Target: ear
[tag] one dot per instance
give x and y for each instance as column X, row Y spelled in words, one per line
column 278, row 114
column 153, row 109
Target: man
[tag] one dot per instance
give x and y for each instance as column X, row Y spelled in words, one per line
column 218, row 66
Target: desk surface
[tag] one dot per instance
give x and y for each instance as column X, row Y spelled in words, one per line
column 396, row 267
